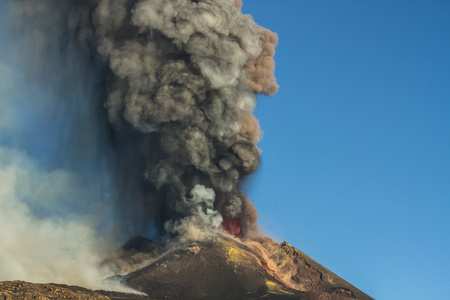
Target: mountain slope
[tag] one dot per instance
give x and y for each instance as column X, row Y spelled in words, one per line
column 217, row 268
column 223, row 268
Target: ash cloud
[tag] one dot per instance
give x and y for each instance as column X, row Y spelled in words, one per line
column 183, row 76
column 261, row 69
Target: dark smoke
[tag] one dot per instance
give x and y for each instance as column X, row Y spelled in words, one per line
column 179, row 79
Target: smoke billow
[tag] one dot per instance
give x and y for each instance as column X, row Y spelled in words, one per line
column 156, row 99
column 181, row 84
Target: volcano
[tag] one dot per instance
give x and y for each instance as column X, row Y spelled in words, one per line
column 217, row 268
column 224, row 268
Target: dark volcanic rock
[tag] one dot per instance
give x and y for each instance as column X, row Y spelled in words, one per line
column 21, row 290
column 14, row 290
column 223, row 268
column 141, row 244
column 213, row 269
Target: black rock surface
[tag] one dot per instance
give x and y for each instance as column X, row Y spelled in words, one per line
column 223, row 268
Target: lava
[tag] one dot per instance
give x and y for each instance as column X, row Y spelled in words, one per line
column 233, row 227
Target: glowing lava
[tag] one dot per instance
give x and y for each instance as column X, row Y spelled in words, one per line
column 233, row 227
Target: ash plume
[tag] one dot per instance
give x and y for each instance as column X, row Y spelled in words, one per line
column 152, row 100
column 181, row 82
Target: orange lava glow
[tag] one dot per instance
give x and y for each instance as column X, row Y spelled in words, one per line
column 233, row 227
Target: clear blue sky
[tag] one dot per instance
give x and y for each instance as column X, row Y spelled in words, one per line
column 356, row 148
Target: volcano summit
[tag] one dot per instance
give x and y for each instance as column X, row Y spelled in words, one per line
column 223, row 268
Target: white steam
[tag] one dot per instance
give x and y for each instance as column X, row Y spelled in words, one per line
column 203, row 220
column 36, row 245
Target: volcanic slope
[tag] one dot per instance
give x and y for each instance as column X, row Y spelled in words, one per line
column 222, row 268
column 217, row 268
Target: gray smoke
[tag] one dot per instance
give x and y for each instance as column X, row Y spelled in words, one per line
column 179, row 80
column 182, row 76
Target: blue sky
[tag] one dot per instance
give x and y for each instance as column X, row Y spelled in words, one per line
column 356, row 148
